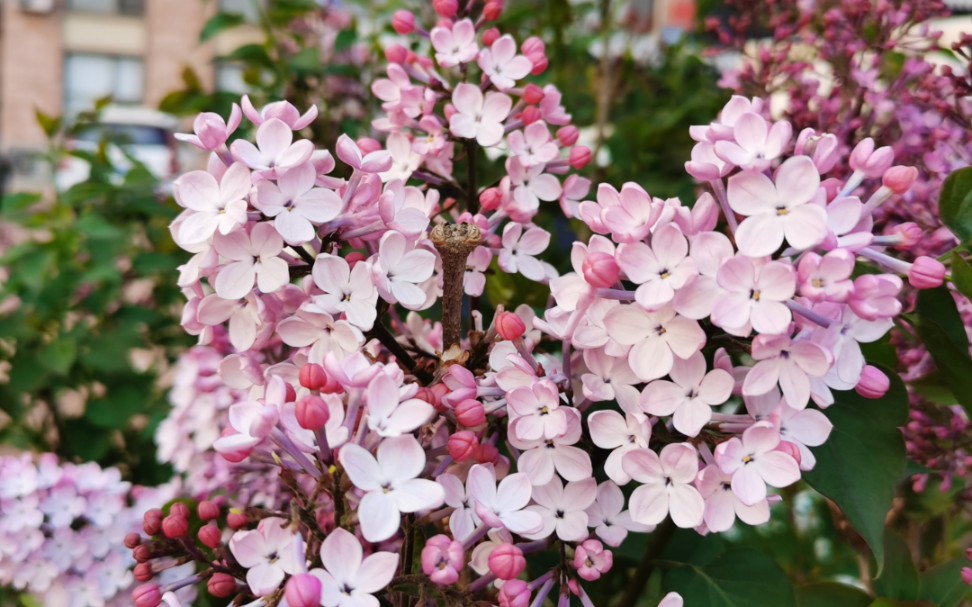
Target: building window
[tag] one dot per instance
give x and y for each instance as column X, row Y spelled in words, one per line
column 121, row 7
column 250, row 9
column 88, row 78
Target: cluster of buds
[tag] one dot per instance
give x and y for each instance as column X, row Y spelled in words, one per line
column 685, row 356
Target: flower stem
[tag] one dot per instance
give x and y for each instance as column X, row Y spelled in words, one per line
column 454, row 242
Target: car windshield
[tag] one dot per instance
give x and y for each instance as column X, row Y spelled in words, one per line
column 124, row 134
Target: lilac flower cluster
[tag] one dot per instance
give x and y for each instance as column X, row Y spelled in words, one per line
column 62, row 528
column 692, row 346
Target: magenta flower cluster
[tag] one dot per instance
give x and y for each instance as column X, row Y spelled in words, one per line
column 686, row 356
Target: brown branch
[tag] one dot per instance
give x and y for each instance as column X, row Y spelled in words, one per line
column 455, row 242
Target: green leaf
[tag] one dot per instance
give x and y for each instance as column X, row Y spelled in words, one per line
column 117, row 406
column 220, row 22
column 97, row 227
column 831, row 594
column 938, row 306
column 59, row 355
column 862, row 462
column 962, row 275
column 49, row 124
column 955, row 204
column 899, row 580
column 344, row 40
column 740, row 577
column 15, row 204
column 942, row 584
column 882, row 602
column 252, row 54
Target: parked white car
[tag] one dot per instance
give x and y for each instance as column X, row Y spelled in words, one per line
column 145, row 135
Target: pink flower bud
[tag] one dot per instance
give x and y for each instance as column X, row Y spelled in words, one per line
column 234, row 457
column 446, row 8
column 236, row 520
column 540, row 66
column 221, row 585
column 132, row 540
column 303, row 590
column 514, row 593
column 470, row 413
column 910, row 233
column 463, row 445
column 926, row 273
column 179, row 509
column 493, row 10
column 591, row 560
column 530, row 114
column 210, row 535
column 489, row 199
column 396, row 53
column 174, row 526
column 487, row 454
column 152, row 522
column 532, row 94
column 871, row 162
column 368, row 145
column 898, row 179
column 142, row 553
column 966, row 575
column 873, row 383
column 147, row 595
column 601, row 271
column 442, row 560
column 313, row 377
column 567, row 135
column 143, row 572
column 790, row 449
column 533, row 48
column 510, row 326
column 353, row 258
column 208, row 510
column 506, row 562
column 580, row 157
column 311, row 412
column 490, row 36
column 403, row 22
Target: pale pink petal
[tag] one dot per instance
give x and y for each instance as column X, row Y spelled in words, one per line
column 376, row 572
column 686, row 506
column 648, row 504
column 361, row 467
column 378, row 515
column 751, row 193
column 760, row 235
column 341, row 554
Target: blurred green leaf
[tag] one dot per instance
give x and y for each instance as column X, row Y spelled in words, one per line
column 49, row 124
column 962, row 275
column 865, row 439
column 831, row 594
column 220, row 22
column 740, row 577
column 899, row 580
column 955, row 204
column 943, row 585
column 59, row 355
column 943, row 333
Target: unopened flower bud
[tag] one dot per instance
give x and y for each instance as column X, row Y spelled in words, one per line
column 966, row 575
column 514, row 593
column 898, row 179
column 403, row 22
column 354, row 257
column 303, row 590
column 540, row 66
column 532, row 94
column 311, row 412
column 871, row 162
column 493, row 10
column 873, row 383
column 236, row 520
column 926, row 273
column 396, row 53
column 470, row 413
column 368, row 145
column 174, row 526
column 147, row 595
column 152, row 522
column 591, row 560
column 179, row 509
column 313, row 377
column 790, row 449
column 580, row 157
column 463, row 445
column 221, row 585
column 446, row 8
column 142, row 553
column 208, row 510
column 534, row 48
column 506, row 561
column 490, row 36
column 143, row 572
column 530, row 114
column 487, row 454
column 132, row 540
column 509, row 326
column 442, row 560
column 601, row 271
column 210, row 536
column 567, row 135
column 910, row 234
column 489, row 199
